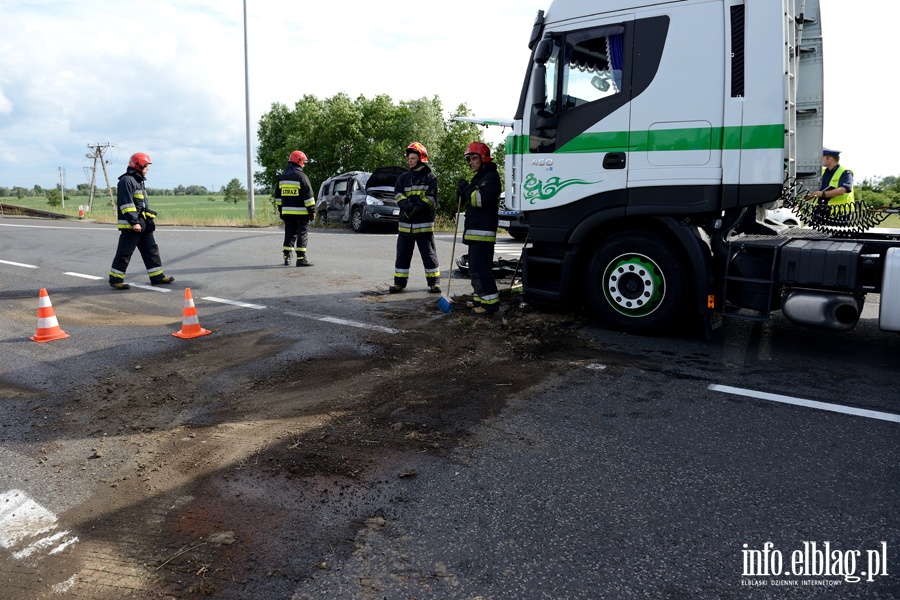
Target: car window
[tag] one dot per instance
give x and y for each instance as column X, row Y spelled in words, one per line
column 340, row 187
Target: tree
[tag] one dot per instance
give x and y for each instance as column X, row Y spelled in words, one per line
column 54, row 197
column 234, row 191
column 339, row 135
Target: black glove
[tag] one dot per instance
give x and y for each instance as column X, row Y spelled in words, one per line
column 461, row 185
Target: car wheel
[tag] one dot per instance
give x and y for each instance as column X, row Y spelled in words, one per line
column 634, row 283
column 518, row 235
column 356, row 221
column 322, row 216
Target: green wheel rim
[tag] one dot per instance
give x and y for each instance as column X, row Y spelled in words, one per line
column 634, row 285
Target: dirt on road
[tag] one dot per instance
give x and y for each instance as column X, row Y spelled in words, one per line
column 221, row 470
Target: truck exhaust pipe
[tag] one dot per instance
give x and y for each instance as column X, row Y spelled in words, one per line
column 838, row 312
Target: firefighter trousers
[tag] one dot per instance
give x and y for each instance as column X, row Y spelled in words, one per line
column 145, row 243
column 427, row 249
column 481, row 271
column 296, row 234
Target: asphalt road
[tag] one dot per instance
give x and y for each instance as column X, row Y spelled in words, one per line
column 657, row 468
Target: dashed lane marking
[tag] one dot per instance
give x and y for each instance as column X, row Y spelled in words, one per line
column 15, row 264
column 838, row 408
column 152, row 288
column 234, row 302
column 82, row 275
column 347, row 322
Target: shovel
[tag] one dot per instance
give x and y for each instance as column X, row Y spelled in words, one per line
column 444, row 302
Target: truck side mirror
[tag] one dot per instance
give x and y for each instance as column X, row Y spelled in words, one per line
column 544, row 52
column 538, row 92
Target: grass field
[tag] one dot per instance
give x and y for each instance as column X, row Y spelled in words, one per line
column 172, row 210
column 199, row 211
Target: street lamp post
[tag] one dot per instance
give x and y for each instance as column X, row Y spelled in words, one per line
column 250, row 203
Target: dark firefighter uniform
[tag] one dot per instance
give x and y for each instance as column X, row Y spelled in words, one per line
column 481, row 197
column 133, row 209
column 417, row 195
column 296, row 205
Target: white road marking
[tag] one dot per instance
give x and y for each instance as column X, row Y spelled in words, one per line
column 15, row 264
column 337, row 321
column 22, row 519
column 82, row 275
column 149, row 287
column 847, row 410
column 234, row 302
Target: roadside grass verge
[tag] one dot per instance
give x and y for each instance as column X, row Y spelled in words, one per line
column 199, row 211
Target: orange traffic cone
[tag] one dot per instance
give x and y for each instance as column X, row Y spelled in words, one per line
column 190, row 324
column 47, row 327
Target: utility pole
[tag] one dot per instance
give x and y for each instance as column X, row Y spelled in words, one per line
column 62, row 185
column 97, row 151
column 250, row 207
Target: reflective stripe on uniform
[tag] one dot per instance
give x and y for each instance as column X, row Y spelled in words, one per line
column 154, row 272
column 478, row 235
column 117, row 274
column 489, row 299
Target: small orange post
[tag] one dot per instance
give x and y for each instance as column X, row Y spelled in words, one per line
column 190, row 323
column 48, row 327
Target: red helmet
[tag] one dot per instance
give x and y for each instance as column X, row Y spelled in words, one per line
column 138, row 161
column 298, row 157
column 480, row 149
column 419, row 149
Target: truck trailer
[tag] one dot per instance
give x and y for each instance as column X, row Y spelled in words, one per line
column 650, row 138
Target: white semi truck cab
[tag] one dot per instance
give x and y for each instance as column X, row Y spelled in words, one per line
column 650, row 135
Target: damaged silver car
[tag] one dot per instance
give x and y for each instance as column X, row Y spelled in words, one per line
column 360, row 199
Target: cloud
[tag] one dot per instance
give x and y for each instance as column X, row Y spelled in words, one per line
column 170, row 81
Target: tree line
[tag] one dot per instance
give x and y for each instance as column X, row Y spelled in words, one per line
column 340, row 134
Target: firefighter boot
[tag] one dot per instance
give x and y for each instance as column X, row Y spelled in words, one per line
column 302, row 262
column 287, row 259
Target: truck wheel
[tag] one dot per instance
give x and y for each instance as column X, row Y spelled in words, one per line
column 634, row 283
column 356, row 221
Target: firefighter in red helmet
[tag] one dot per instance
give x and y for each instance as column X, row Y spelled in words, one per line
column 481, row 197
column 296, row 206
column 136, row 226
column 417, row 196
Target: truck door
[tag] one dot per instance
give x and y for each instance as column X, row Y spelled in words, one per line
column 578, row 123
column 677, row 123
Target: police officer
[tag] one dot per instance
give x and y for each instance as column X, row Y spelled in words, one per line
column 296, row 206
column 417, row 196
column 136, row 226
column 481, row 197
column 836, row 188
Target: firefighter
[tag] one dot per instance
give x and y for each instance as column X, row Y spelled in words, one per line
column 296, row 207
column 136, row 226
column 417, row 196
column 481, row 197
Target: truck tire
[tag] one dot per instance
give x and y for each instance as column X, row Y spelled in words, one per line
column 634, row 283
column 356, row 221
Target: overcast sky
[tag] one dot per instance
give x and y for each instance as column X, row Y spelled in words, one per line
column 169, row 80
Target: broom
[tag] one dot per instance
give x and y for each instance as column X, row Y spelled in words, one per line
column 444, row 303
